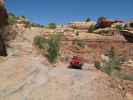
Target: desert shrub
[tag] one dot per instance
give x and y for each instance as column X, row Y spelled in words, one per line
column 24, row 17
column 51, row 25
column 88, row 20
column 77, row 33
column 124, row 76
column 128, row 77
column 53, row 47
column 120, row 27
column 92, row 28
column 36, row 25
column 97, row 64
column 40, row 41
column 101, row 19
column 11, row 18
column 113, row 64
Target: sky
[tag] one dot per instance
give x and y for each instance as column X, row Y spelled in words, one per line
column 65, row 11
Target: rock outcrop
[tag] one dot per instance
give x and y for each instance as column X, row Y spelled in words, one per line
column 82, row 25
column 129, row 25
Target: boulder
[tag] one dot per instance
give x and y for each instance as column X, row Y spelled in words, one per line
column 104, row 31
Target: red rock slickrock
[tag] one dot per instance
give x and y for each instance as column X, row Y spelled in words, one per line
column 26, row 78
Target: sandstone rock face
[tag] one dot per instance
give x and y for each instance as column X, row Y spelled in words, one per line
column 25, row 78
column 82, row 25
column 18, row 77
column 23, row 42
column 73, row 85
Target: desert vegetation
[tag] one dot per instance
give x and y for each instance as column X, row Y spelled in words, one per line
column 88, row 19
column 113, row 63
column 53, row 47
column 120, row 27
column 50, row 46
column 51, row 26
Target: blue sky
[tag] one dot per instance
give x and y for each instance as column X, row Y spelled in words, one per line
column 65, row 11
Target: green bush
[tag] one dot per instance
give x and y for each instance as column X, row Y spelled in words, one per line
column 120, row 27
column 53, row 47
column 50, row 45
column 52, row 26
column 40, row 41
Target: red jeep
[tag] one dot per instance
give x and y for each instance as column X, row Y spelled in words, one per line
column 76, row 63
